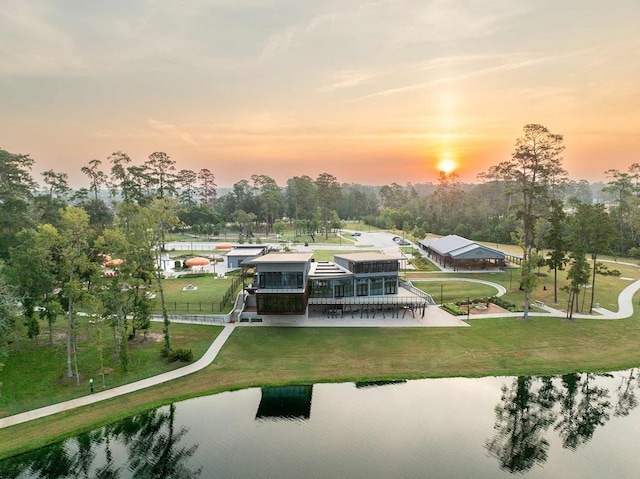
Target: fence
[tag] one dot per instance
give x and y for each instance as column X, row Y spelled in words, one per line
column 193, row 318
column 231, row 291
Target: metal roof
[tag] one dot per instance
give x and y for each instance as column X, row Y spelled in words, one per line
column 459, row 247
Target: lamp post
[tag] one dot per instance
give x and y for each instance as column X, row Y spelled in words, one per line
column 441, row 294
column 468, row 308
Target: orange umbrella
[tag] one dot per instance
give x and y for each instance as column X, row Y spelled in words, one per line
column 198, row 261
column 114, row 263
column 224, row 246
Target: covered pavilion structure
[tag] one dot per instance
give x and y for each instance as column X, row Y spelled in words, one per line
column 460, row 253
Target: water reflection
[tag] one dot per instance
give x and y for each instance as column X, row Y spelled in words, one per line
column 285, row 402
column 574, row 404
column 413, row 429
column 151, row 442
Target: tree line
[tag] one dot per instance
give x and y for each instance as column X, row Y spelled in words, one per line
column 53, row 239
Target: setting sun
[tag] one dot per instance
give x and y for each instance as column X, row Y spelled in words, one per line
column 447, row 165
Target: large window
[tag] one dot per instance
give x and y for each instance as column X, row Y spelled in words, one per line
column 376, row 286
column 321, row 288
column 279, row 280
column 375, row 267
column 280, row 303
column 390, row 286
column 343, row 288
column 362, row 287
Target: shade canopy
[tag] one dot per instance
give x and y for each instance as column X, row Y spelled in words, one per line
column 224, row 246
column 197, row 261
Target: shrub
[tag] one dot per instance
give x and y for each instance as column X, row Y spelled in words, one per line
column 504, row 304
column 453, row 309
column 184, row 355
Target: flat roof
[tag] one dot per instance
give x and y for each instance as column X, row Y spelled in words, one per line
column 282, row 258
column 366, row 256
column 245, row 251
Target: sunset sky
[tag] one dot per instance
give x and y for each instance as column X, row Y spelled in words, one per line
column 372, row 92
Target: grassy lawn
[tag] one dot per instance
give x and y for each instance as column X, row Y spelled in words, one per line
column 35, row 374
column 264, row 356
column 273, row 356
column 454, row 291
column 606, row 293
column 327, row 255
column 204, row 300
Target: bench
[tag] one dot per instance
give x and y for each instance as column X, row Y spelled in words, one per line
column 538, row 304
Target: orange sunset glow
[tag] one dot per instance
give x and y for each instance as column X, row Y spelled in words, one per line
column 370, row 92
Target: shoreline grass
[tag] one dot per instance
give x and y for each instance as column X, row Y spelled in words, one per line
column 259, row 356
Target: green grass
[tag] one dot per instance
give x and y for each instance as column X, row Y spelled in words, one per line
column 455, row 291
column 274, row 356
column 205, row 300
column 327, row 255
column 35, row 374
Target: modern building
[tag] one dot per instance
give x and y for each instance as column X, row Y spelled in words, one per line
column 364, row 283
column 281, row 283
column 241, row 253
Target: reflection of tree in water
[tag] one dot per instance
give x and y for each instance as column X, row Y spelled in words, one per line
column 521, row 421
column 152, row 444
column 627, row 399
column 70, row 458
column 583, row 407
column 529, row 408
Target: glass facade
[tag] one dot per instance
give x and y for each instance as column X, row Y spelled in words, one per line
column 390, row 286
column 362, row 287
column 376, row 286
column 321, row 288
column 368, row 267
column 281, row 303
column 280, row 280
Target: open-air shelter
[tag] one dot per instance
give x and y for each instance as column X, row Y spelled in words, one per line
column 460, row 253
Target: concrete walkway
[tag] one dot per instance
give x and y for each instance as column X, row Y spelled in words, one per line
column 434, row 317
column 201, row 363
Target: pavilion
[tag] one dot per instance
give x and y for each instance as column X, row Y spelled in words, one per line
column 458, row 253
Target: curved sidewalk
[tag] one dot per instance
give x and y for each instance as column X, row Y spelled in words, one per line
column 201, row 363
column 625, row 310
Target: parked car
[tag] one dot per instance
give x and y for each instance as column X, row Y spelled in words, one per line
column 356, row 234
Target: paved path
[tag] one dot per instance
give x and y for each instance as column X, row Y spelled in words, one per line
column 434, row 317
column 201, row 363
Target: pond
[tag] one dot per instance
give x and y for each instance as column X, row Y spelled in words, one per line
column 573, row 426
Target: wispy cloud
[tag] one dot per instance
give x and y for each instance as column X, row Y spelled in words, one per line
column 517, row 61
column 173, row 130
column 30, row 45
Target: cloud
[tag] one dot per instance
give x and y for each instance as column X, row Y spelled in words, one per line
column 32, row 46
column 169, row 129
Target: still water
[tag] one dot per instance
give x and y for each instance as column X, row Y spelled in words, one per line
column 574, row 426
